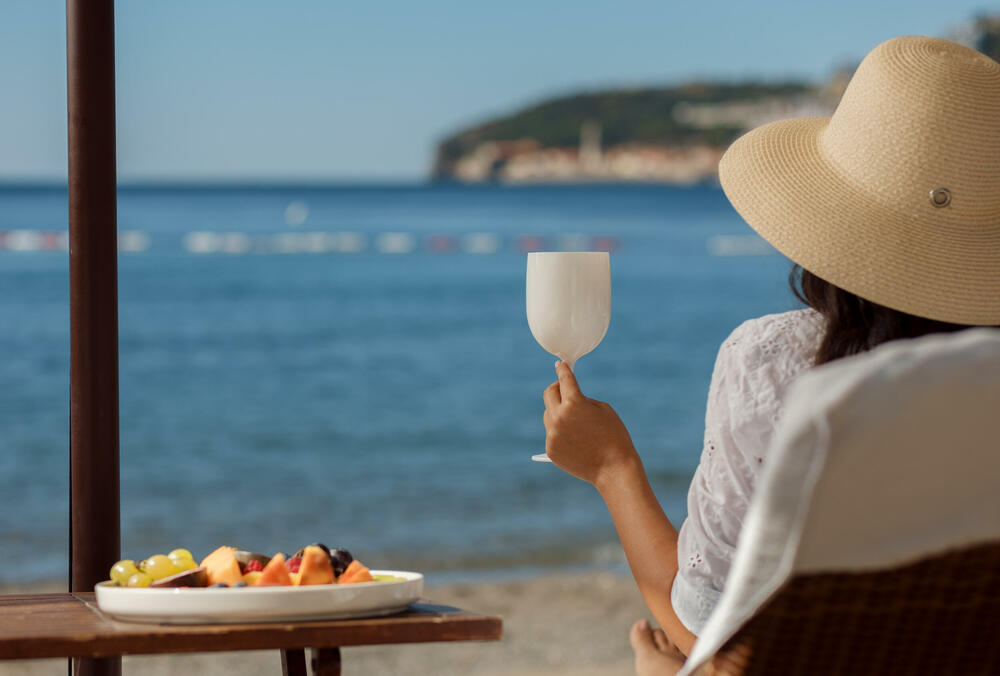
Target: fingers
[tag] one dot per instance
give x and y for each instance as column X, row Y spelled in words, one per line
column 568, row 387
column 551, row 396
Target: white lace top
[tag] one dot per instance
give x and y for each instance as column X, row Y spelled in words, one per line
column 752, row 372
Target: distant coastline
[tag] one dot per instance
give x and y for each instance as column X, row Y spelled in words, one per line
column 670, row 135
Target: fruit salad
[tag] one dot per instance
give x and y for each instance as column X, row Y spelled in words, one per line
column 232, row 567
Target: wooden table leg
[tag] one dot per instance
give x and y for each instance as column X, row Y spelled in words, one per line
column 105, row 666
column 293, row 662
column 326, row 661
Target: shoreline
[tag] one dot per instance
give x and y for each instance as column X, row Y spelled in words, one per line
column 555, row 624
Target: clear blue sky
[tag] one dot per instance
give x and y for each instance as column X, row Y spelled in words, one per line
column 326, row 89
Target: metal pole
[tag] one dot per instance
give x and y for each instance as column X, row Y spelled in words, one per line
column 95, row 537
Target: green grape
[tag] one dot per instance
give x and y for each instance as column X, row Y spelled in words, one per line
column 139, row 580
column 158, row 566
column 177, row 554
column 184, row 564
column 122, row 571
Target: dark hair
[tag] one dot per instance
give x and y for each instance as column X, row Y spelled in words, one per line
column 854, row 324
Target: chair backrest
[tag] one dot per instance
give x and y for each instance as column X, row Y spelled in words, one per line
column 940, row 615
column 872, row 544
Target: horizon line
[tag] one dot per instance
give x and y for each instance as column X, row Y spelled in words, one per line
column 312, row 184
column 222, row 181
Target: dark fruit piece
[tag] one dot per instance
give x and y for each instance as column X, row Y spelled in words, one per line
column 252, row 566
column 196, row 577
column 340, row 559
column 294, row 563
column 240, row 584
column 219, row 584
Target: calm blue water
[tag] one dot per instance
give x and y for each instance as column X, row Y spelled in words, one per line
column 383, row 403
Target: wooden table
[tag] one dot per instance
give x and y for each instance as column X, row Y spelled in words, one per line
column 70, row 625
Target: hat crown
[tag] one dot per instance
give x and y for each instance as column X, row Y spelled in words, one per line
column 921, row 114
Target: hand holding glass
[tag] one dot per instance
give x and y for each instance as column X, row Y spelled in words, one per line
column 568, row 299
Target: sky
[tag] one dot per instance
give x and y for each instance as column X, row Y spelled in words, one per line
column 219, row 90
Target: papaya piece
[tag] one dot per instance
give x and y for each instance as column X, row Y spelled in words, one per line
column 275, row 572
column 222, row 566
column 315, row 568
column 216, row 556
column 355, row 572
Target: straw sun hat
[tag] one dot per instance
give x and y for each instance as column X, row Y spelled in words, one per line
column 896, row 197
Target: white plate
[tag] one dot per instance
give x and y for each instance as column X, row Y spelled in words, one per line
column 196, row 605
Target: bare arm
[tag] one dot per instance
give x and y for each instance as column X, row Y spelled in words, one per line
column 586, row 438
column 649, row 541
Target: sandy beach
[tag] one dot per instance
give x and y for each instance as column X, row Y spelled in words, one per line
column 554, row 625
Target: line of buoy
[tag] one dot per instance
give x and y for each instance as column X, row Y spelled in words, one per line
column 58, row 240
column 739, row 245
column 240, row 243
column 392, row 243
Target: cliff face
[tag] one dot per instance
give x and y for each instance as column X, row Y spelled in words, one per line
column 668, row 134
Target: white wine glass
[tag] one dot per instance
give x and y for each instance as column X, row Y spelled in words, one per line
column 568, row 302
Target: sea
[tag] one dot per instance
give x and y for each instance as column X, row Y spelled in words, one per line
column 352, row 365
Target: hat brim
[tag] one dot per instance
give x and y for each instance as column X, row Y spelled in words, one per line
column 918, row 261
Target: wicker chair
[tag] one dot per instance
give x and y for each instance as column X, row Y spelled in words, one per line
column 940, row 615
column 908, row 582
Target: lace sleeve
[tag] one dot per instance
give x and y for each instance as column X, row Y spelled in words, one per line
column 753, row 368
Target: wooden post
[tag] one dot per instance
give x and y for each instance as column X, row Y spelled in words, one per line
column 95, row 537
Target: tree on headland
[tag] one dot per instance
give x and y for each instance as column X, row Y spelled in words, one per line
column 987, row 35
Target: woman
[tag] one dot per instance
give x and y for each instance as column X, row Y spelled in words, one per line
column 890, row 210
